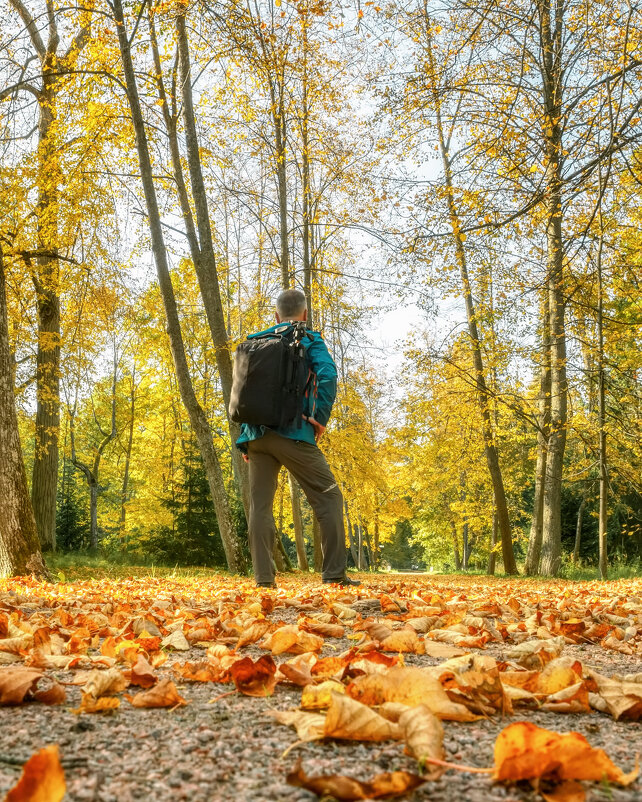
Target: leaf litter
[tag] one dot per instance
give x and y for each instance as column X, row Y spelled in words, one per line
column 401, row 664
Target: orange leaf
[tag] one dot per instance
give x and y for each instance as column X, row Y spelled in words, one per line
column 162, row 695
column 15, row 682
column 142, row 674
column 388, row 784
column 254, row 679
column 524, row 752
column 42, row 779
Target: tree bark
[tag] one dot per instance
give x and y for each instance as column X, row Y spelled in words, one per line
column 578, row 531
column 493, row 542
column 124, row 497
column 490, row 449
column 543, row 430
column 353, row 548
column 316, row 540
column 456, row 555
column 19, row 545
column 552, row 38
column 297, row 520
column 198, row 420
column 202, row 249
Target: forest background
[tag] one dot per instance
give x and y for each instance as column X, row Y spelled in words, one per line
column 470, row 171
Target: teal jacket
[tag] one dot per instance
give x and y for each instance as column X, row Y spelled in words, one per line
column 319, row 397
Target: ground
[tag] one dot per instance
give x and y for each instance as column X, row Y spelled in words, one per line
column 224, row 744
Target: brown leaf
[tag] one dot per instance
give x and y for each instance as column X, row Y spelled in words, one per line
column 15, row 682
column 351, row 720
column 568, row 791
column 403, row 640
column 291, row 639
column 175, row 640
column 89, row 704
column 318, row 697
column 103, row 683
column 410, row 686
column 142, row 674
column 252, row 633
column 162, row 695
column 308, row 726
column 254, row 678
column 524, row 752
column 42, row 779
column 423, row 734
column 327, row 630
column 474, row 681
column 346, row 789
column 535, row 654
column 297, row 670
column 55, row 694
column 202, row 671
column 622, row 698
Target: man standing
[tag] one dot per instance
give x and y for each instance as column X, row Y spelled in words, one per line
column 295, row 446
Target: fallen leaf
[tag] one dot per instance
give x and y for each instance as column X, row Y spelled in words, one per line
column 42, row 779
column 524, row 751
column 423, row 734
column 254, row 678
column 410, row 686
column 534, row 654
column 290, row 638
column 308, row 726
column 622, row 698
column 176, row 640
column 142, row 673
column 388, row 784
column 102, row 683
column 164, row 694
column 350, row 720
column 318, row 697
column 15, row 682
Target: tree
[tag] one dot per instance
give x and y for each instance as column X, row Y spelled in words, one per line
column 19, row 545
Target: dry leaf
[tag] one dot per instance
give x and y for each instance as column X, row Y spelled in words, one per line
column 101, row 683
column 308, row 726
column 176, row 640
column 15, row 682
column 535, row 654
column 525, row 752
column 255, row 631
column 142, row 673
column 622, row 698
column 89, row 704
column 568, row 791
column 162, row 695
column 423, row 733
column 318, row 697
column 254, row 678
column 388, row 784
column 290, row 638
column 410, row 686
column 351, row 720
column 42, row 779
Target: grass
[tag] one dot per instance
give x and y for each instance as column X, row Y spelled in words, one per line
column 76, row 566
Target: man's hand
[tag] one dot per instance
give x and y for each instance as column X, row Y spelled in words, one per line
column 319, row 429
column 246, row 458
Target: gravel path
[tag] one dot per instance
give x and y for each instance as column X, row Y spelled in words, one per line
column 223, row 746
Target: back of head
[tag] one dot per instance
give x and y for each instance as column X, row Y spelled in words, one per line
column 290, row 305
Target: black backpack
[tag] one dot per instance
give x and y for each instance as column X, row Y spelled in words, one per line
column 270, row 378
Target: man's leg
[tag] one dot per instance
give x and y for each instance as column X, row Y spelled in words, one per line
column 264, row 473
column 309, row 467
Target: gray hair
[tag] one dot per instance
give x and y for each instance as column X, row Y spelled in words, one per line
column 290, row 304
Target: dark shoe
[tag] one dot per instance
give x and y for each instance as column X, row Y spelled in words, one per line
column 346, row 582
column 266, row 585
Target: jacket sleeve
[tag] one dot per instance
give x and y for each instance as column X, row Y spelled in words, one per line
column 325, row 389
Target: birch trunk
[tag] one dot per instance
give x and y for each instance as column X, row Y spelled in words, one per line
column 198, row 420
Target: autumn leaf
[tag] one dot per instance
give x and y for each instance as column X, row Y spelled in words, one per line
column 350, row 720
column 164, row 694
column 15, row 683
column 290, row 638
column 142, row 673
column 535, row 654
column 42, row 779
column 411, row 686
column 318, row 697
column 423, row 733
column 387, row 784
column 622, row 697
column 254, row 678
column 308, row 726
column 524, row 751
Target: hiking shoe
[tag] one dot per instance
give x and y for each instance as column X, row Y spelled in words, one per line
column 346, row 582
column 266, row 585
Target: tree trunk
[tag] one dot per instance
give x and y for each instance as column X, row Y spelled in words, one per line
column 351, row 540
column 124, row 498
column 552, row 42
column 466, row 546
column 453, row 531
column 601, row 411
column 203, row 252
column 543, row 431
column 492, row 457
column 200, row 425
column 297, row 520
column 316, row 540
column 578, row 531
column 19, row 545
column 493, row 542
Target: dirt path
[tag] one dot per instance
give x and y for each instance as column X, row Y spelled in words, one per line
column 224, row 745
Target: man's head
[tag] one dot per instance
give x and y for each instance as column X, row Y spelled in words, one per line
column 291, row 305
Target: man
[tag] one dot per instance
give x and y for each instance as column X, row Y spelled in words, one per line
column 267, row 449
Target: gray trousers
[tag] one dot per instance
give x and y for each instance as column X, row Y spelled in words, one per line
column 310, row 468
